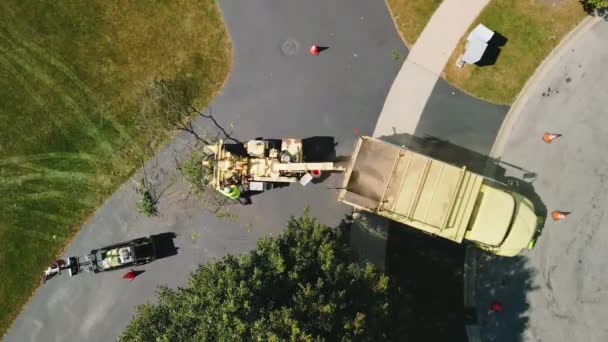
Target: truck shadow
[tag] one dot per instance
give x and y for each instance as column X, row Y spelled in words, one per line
column 164, row 245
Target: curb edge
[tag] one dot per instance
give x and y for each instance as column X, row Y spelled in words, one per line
column 506, row 127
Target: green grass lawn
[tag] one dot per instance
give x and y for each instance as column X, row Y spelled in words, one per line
column 411, row 16
column 75, row 79
column 533, row 29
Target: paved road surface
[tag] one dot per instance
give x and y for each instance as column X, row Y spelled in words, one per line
column 557, row 292
column 276, row 89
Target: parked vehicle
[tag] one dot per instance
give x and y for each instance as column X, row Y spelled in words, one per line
column 438, row 198
column 125, row 254
column 257, row 164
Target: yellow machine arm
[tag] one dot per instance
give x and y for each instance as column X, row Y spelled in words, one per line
column 263, row 163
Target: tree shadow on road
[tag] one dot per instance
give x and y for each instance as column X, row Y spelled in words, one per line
column 427, row 270
column 430, row 270
column 507, row 281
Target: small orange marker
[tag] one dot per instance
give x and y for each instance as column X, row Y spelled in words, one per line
column 558, row 215
column 314, row 50
column 549, row 137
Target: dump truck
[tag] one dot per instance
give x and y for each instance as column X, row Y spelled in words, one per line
column 438, row 198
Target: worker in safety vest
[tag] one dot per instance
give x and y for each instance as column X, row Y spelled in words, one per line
column 232, row 192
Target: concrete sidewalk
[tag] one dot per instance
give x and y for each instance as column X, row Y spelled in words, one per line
column 415, row 82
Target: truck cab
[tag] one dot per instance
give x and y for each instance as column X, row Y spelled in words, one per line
column 502, row 221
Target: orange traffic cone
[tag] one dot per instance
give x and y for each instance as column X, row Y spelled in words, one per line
column 549, row 137
column 314, row 50
column 496, row 307
column 559, row 215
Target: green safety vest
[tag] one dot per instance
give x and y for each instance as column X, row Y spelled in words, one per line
column 234, row 192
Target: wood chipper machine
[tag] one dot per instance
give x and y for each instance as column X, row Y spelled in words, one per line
column 258, row 163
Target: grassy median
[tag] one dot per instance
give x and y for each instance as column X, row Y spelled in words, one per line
column 411, row 16
column 532, row 29
column 75, row 114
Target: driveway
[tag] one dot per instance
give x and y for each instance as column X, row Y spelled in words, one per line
column 276, row 89
column 558, row 291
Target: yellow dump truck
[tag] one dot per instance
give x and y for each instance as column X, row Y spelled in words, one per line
column 438, row 198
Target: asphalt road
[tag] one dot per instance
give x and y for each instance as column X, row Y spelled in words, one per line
column 276, row 89
column 460, row 119
column 558, row 291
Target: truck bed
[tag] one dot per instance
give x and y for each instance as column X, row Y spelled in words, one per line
column 411, row 188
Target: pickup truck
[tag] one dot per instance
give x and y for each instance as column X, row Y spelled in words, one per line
column 438, row 198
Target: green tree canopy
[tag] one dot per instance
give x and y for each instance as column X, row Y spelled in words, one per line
column 596, row 4
column 301, row 285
